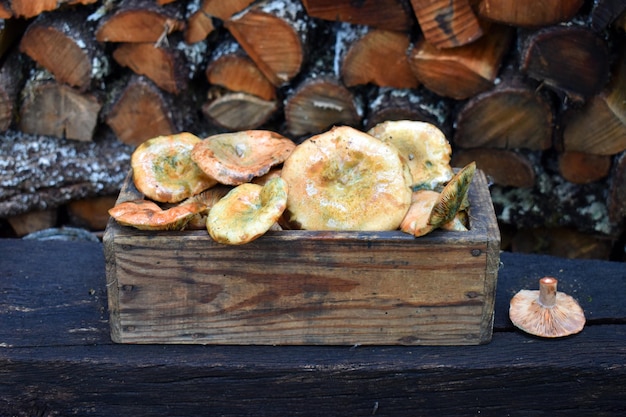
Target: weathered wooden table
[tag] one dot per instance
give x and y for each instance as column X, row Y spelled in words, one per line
column 56, row 357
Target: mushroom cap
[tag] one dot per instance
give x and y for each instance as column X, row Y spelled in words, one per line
column 551, row 314
column 147, row 215
column 163, row 170
column 416, row 220
column 453, row 197
column 247, row 212
column 208, row 198
column 236, row 158
column 345, row 179
column 423, row 145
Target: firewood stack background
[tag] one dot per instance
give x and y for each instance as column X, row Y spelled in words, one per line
column 535, row 92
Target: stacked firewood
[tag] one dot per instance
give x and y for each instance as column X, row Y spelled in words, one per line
column 534, row 92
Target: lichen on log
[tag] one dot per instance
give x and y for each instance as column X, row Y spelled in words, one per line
column 41, row 172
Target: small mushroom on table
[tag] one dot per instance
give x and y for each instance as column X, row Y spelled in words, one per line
column 546, row 312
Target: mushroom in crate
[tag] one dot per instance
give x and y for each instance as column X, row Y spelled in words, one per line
column 342, row 272
column 345, row 179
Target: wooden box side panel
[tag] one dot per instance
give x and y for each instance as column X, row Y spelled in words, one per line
column 305, row 287
column 301, row 293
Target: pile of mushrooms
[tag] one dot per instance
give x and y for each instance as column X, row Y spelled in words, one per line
column 240, row 185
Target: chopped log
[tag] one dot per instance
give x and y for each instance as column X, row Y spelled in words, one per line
column 583, row 168
column 165, row 65
column 139, row 110
column 599, row 127
column 224, row 10
column 378, row 56
column 239, row 111
column 505, row 167
column 564, row 242
column 5, row 10
column 523, row 14
column 447, row 23
column 318, row 103
column 594, row 129
column 199, row 26
column 12, row 76
column 382, row 14
column 570, row 59
column 140, row 21
column 462, row 72
column 616, row 201
column 321, row 100
column 53, row 109
column 408, row 104
column 605, row 12
column 231, row 68
column 90, row 213
column 274, row 34
column 42, row 172
column 33, row 221
column 64, row 44
column 511, row 115
column 32, row 8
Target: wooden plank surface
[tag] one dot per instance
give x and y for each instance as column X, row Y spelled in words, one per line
column 56, row 357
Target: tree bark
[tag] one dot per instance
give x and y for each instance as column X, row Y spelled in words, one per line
column 408, row 104
column 12, row 76
column 42, row 172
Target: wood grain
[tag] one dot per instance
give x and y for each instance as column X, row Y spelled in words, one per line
column 305, row 287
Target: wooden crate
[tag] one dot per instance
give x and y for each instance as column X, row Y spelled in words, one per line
column 305, row 287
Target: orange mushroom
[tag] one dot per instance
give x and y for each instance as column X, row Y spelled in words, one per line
column 163, row 170
column 345, row 179
column 546, row 313
column 208, row 198
column 416, row 220
column 247, row 212
column 238, row 157
column 423, row 145
column 147, row 215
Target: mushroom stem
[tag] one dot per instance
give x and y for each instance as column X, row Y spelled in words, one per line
column 547, row 292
